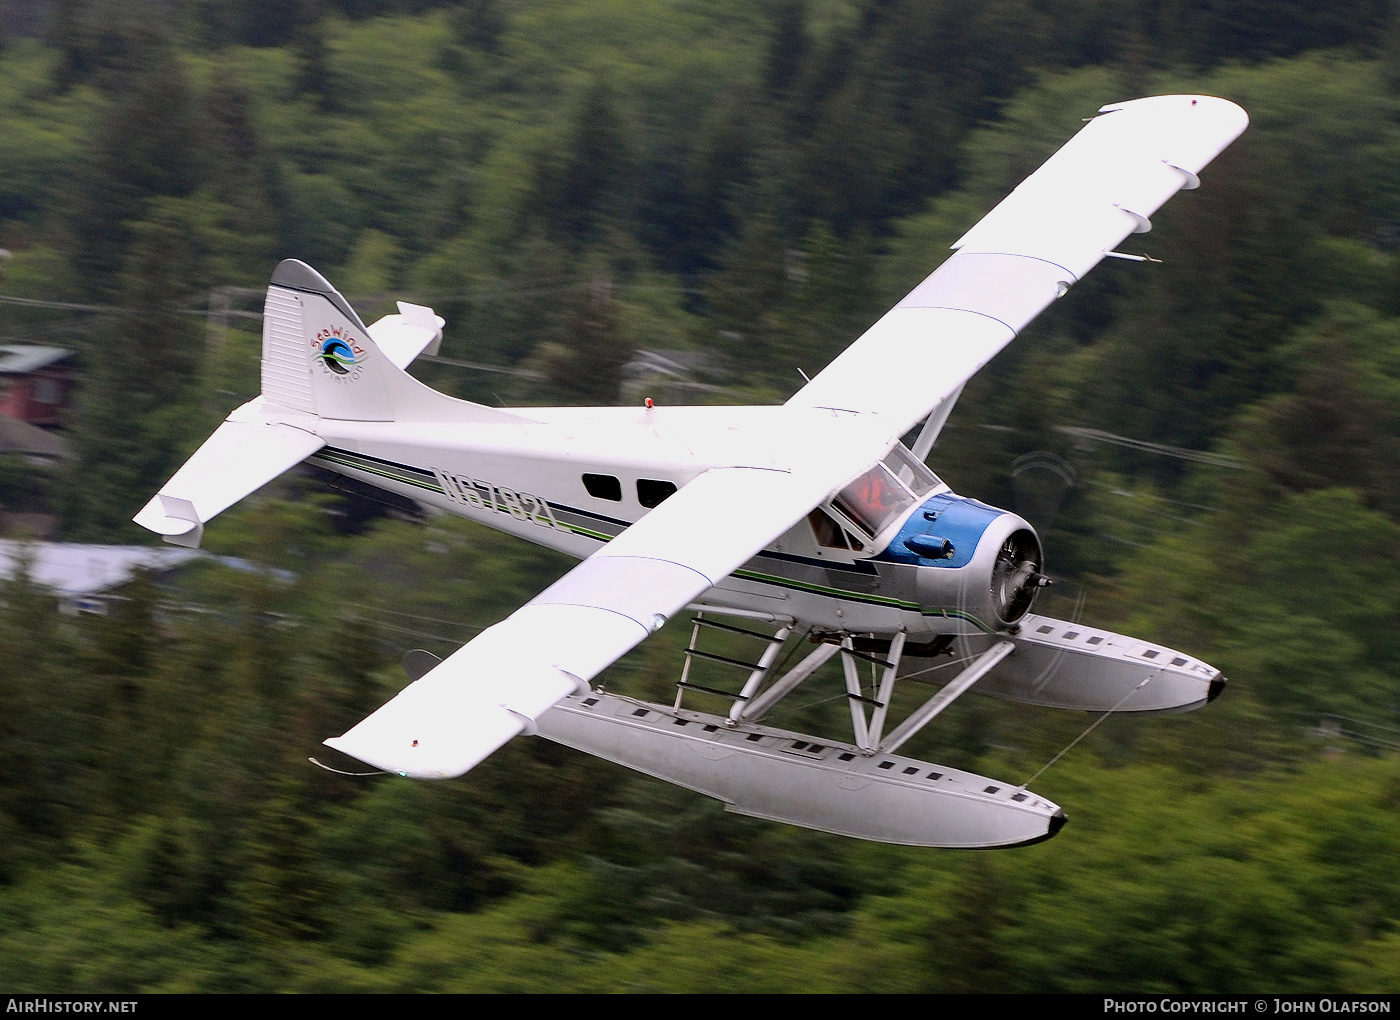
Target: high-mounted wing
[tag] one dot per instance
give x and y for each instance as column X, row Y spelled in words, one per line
column 1102, row 186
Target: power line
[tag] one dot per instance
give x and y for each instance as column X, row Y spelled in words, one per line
column 1181, row 453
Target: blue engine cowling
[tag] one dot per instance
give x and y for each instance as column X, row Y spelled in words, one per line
column 980, row 567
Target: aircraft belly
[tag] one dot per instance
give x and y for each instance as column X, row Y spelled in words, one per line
column 786, row 777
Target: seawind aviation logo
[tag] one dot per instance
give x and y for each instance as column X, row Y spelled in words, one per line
column 339, row 352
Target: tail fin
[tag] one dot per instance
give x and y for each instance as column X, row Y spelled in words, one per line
column 320, row 362
column 320, row 358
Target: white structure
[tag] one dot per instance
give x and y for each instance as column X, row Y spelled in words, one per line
column 83, row 575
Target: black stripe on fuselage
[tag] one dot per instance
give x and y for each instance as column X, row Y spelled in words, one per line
column 426, row 479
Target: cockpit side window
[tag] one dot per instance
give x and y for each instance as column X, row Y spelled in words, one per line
column 911, row 472
column 831, row 535
column 828, row 532
column 873, row 499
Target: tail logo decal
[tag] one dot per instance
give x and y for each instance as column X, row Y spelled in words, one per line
column 339, row 352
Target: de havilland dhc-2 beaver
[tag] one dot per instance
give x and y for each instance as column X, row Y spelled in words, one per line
column 811, row 520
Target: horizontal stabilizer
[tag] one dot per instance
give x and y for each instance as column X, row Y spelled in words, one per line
column 404, row 336
column 238, row 459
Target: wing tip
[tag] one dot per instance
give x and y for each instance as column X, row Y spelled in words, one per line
column 1215, row 106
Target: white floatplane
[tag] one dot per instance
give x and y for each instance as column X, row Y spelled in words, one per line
column 811, row 519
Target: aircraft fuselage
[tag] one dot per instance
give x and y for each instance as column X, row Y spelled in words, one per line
column 919, row 563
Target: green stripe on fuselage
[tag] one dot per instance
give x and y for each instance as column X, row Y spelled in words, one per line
column 375, row 466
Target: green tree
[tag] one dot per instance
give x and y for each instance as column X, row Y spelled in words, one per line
column 478, row 24
column 137, row 414
column 575, row 190
column 148, row 146
column 37, row 726
column 789, row 46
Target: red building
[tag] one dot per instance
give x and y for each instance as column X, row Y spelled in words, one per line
column 34, row 383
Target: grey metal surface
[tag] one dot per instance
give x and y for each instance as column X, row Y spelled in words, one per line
column 812, row 782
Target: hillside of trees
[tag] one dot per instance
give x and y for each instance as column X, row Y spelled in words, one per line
column 1210, row 447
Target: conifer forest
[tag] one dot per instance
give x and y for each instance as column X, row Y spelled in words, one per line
column 1209, row 446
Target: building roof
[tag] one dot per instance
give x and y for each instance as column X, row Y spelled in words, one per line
column 73, row 569
column 24, row 439
column 21, row 359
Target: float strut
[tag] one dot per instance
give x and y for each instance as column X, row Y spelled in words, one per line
column 976, row 670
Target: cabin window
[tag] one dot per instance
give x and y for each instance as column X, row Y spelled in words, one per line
column 652, row 492
column 603, row 487
column 828, row 532
column 831, row 535
column 874, row 499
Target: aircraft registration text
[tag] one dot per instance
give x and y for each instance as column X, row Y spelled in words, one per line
column 481, row 494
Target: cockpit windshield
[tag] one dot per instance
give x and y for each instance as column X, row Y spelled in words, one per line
column 886, row 490
column 873, row 499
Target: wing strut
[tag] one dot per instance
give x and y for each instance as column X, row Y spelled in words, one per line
column 933, row 425
column 868, row 726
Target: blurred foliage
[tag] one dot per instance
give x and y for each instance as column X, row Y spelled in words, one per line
column 567, row 181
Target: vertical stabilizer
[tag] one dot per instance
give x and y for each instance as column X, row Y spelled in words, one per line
column 317, row 354
column 319, row 357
